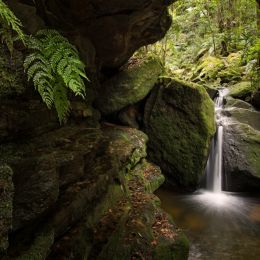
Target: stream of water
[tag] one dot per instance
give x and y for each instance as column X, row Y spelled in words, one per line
column 220, row 225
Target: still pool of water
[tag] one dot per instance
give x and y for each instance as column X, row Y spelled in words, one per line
column 220, row 226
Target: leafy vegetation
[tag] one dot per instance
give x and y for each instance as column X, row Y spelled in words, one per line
column 54, row 67
column 212, row 42
column 10, row 27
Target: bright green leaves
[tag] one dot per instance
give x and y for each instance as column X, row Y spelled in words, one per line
column 54, row 67
column 10, row 27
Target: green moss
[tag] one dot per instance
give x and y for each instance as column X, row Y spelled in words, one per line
column 231, row 73
column 242, row 90
column 149, row 175
column 234, row 59
column 209, row 67
column 113, row 195
column 180, row 128
column 177, row 251
column 130, row 86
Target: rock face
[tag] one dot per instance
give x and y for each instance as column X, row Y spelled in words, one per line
column 179, row 120
column 242, row 148
column 256, row 98
column 6, row 205
column 116, row 29
column 70, row 179
column 129, row 86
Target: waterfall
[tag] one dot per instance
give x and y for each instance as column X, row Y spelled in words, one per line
column 214, row 164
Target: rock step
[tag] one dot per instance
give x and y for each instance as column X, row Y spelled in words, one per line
column 61, row 180
column 138, row 228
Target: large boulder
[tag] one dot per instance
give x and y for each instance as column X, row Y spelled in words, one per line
column 129, row 86
column 241, row 157
column 241, row 148
column 112, row 30
column 180, row 123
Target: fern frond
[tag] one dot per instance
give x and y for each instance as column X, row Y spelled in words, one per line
column 39, row 68
column 46, row 95
column 34, row 57
column 9, row 21
column 77, row 87
column 61, row 102
column 35, row 44
column 54, row 67
column 56, row 58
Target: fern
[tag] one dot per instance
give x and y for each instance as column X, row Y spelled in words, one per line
column 10, row 30
column 54, row 67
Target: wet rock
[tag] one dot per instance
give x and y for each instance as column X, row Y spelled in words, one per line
column 179, row 121
column 245, row 116
column 212, row 92
column 232, row 102
column 241, row 151
column 241, row 146
column 129, row 86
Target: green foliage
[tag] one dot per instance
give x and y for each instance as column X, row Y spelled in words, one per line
column 254, row 51
column 54, row 67
column 205, row 31
column 10, row 27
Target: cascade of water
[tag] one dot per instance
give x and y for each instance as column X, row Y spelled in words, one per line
column 214, row 164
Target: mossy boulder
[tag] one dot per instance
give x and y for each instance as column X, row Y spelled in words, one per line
column 242, row 90
column 129, row 86
column 180, row 123
column 6, row 205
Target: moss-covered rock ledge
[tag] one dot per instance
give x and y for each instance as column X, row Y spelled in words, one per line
column 129, row 86
column 84, row 193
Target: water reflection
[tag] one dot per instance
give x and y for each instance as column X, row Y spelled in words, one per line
column 219, row 225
